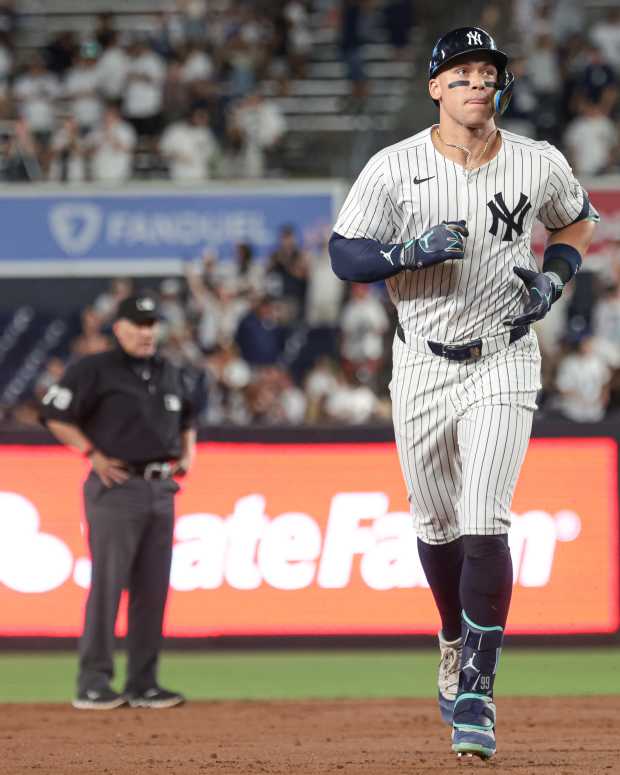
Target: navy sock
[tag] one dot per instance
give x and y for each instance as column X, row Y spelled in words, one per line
column 442, row 564
column 486, row 589
column 486, row 579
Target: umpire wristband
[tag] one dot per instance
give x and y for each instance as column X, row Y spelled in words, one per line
column 563, row 260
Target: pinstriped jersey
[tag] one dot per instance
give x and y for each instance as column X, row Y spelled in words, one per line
column 409, row 187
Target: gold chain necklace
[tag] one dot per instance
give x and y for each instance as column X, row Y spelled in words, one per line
column 465, row 150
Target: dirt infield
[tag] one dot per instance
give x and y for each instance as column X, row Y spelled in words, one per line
column 541, row 736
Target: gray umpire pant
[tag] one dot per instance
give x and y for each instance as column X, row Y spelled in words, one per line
column 130, row 530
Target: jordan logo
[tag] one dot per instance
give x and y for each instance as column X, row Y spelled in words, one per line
column 388, row 254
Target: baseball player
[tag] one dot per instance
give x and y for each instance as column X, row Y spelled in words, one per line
column 445, row 218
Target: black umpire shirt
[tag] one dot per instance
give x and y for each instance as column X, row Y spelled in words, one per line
column 129, row 408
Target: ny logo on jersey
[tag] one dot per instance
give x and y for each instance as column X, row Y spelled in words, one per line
column 474, row 38
column 513, row 220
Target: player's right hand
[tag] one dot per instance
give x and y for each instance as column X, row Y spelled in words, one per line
column 110, row 470
column 440, row 243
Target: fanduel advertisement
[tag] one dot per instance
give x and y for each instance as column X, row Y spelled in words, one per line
column 87, row 232
column 312, row 539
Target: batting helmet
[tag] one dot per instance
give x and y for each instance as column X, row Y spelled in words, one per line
column 465, row 40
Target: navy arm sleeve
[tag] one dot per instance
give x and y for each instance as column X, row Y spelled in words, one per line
column 363, row 260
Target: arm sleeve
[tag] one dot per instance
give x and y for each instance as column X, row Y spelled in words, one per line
column 566, row 202
column 74, row 397
column 363, row 260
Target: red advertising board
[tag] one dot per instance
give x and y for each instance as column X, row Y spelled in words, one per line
column 312, row 539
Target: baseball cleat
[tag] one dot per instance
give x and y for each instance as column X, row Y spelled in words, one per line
column 448, row 675
column 473, row 726
column 98, row 699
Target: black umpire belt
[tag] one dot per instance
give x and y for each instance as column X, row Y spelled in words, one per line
column 462, row 352
column 150, row 470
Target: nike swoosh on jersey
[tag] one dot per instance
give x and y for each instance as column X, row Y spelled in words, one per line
column 417, row 180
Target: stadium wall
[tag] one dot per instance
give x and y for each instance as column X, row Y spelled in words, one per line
column 284, row 535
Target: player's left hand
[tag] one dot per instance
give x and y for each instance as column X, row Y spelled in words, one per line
column 542, row 294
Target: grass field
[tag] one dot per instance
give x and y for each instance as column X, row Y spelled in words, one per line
column 320, row 674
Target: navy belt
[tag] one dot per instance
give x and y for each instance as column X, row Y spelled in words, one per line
column 463, row 352
column 149, row 470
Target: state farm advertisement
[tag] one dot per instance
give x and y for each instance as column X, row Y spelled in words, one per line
column 312, row 539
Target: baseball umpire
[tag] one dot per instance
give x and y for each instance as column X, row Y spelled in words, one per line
column 445, row 218
column 129, row 412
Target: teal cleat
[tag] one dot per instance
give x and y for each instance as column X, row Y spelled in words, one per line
column 473, row 726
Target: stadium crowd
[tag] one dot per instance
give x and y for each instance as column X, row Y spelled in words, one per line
column 281, row 340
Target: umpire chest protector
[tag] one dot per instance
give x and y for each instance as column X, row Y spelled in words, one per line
column 466, row 40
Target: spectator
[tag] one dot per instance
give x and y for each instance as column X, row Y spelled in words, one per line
column 60, row 52
column 112, row 147
column 171, row 306
column 320, row 383
column 144, row 89
column 22, row 154
column 351, row 40
column 607, row 321
column 6, row 70
column 67, row 153
column 583, row 382
column 190, row 148
column 196, row 67
column 105, row 31
column 300, row 36
column 91, row 340
column 325, row 291
column 351, row 403
column 256, row 126
column 605, row 34
column 287, row 273
column 228, row 376
column 597, row 81
column 219, row 307
column 260, row 335
column 273, row 399
column 106, row 304
column 112, row 68
column 591, row 140
column 35, row 93
column 364, row 323
column 81, row 88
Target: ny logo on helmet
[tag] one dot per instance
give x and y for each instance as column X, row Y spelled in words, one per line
column 513, row 220
column 474, row 38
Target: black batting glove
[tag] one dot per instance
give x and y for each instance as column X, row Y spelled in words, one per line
column 542, row 292
column 440, row 243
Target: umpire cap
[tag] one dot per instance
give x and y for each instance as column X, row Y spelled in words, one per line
column 138, row 309
column 465, row 40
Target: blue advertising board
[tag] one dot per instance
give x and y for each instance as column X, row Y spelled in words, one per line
column 93, row 232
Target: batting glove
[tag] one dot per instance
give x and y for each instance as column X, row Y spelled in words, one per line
column 543, row 289
column 436, row 245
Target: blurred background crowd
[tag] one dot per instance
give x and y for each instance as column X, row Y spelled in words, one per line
column 204, row 89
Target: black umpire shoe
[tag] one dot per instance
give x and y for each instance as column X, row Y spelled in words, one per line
column 156, row 697
column 98, row 699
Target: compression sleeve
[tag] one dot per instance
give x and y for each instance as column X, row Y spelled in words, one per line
column 363, row 260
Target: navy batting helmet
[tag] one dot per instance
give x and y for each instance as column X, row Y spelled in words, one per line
column 465, row 40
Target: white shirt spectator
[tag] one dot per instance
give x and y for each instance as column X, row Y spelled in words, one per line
column 582, row 380
column 590, row 140
column 351, row 404
column 145, row 79
column 324, row 294
column 190, row 149
column 68, row 155
column 543, row 66
column 36, row 94
column 606, row 35
column 261, row 124
column 112, row 157
column 197, row 67
column 112, row 72
column 81, row 87
column 364, row 321
column 6, row 66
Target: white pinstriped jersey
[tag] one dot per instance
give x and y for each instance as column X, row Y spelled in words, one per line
column 409, row 187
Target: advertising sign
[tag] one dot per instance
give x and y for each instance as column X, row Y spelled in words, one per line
column 312, row 539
